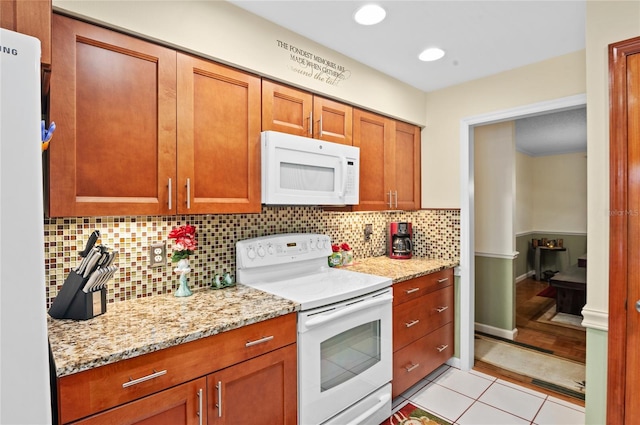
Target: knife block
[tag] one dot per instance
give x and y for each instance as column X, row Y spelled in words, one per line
column 73, row 303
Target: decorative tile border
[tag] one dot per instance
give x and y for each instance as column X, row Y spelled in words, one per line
column 436, row 235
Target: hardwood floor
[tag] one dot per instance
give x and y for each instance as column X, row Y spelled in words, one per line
column 561, row 341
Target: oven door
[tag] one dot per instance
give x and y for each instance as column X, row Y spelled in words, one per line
column 344, row 354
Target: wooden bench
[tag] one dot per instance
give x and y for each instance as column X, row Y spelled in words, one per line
column 571, row 290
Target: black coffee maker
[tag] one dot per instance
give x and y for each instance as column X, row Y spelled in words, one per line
column 399, row 244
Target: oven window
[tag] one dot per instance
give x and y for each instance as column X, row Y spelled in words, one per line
column 348, row 354
column 307, row 177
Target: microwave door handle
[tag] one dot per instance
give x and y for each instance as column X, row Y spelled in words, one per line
column 342, row 194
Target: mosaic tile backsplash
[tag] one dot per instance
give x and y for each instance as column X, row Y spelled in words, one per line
column 436, row 234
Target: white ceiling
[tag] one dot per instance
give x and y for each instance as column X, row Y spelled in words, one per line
column 480, row 38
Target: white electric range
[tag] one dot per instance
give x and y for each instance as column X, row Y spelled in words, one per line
column 344, row 326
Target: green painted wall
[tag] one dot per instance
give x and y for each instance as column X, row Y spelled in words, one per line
column 576, row 244
column 596, row 375
column 495, row 292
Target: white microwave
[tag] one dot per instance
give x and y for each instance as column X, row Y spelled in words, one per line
column 299, row 170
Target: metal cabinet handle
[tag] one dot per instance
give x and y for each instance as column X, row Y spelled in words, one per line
column 310, row 125
column 412, row 323
column 390, row 199
column 442, row 348
column 170, row 192
column 638, row 306
column 258, row 341
column 200, row 406
column 219, row 405
column 441, row 309
column 396, row 192
column 411, row 367
column 154, row 375
column 320, row 126
column 188, row 193
column 443, row 280
column 411, row 291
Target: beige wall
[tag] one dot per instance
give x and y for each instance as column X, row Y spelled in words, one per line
column 543, row 81
column 226, row 33
column 524, row 200
column 494, row 188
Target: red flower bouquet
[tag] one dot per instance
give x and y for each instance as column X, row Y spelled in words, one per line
column 185, row 242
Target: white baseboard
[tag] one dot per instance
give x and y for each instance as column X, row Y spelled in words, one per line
column 454, row 362
column 502, row 333
column 525, row 276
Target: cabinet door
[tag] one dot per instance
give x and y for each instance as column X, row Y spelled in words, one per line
column 114, row 102
column 372, row 134
column 31, row 17
column 333, row 121
column 183, row 404
column 261, row 390
column 218, row 138
column 407, row 166
column 286, row 109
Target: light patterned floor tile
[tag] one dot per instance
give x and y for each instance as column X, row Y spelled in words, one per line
column 442, row 401
column 482, row 414
column 512, row 400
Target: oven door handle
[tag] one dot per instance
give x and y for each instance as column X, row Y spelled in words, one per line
column 382, row 400
column 363, row 305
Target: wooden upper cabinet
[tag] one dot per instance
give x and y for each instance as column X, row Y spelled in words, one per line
column 294, row 111
column 333, row 121
column 407, row 166
column 31, row 17
column 389, row 162
column 113, row 99
column 286, row 109
column 218, row 138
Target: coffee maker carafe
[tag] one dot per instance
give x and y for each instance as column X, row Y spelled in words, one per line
column 399, row 240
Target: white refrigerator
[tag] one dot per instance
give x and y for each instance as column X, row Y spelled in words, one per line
column 24, row 360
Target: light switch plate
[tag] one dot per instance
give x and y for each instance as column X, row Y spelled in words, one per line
column 157, row 254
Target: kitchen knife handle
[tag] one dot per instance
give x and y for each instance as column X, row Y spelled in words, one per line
column 188, row 193
column 170, row 192
column 200, row 406
column 154, row 375
column 90, row 243
column 219, row 405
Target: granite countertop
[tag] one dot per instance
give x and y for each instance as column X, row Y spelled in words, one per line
column 132, row 328
column 401, row 270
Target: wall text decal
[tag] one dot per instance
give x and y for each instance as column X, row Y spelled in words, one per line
column 313, row 66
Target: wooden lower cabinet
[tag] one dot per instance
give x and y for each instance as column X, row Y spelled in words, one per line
column 261, row 390
column 176, row 406
column 423, row 334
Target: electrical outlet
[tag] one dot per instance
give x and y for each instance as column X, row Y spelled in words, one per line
column 157, row 254
column 368, row 231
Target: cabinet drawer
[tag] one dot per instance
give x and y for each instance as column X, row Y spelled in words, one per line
column 414, row 288
column 95, row 390
column 418, row 359
column 416, row 318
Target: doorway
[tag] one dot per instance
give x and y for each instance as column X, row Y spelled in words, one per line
column 467, row 202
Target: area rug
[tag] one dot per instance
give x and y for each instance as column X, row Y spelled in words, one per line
column 409, row 414
column 561, row 319
column 545, row 370
column 548, row 292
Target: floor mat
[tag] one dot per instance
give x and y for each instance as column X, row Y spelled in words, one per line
column 561, row 319
column 409, row 414
column 545, row 370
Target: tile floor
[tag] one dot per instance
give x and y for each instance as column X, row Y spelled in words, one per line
column 466, row 398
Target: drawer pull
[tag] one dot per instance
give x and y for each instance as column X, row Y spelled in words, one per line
column 442, row 348
column 258, row 341
column 443, row 280
column 411, row 291
column 441, row 309
column 200, row 406
column 154, row 375
column 413, row 322
column 412, row 367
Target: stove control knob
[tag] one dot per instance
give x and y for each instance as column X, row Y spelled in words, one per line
column 270, row 249
column 326, row 243
column 312, row 244
column 261, row 251
column 251, row 253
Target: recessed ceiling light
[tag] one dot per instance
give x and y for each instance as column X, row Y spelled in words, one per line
column 431, row 54
column 370, row 14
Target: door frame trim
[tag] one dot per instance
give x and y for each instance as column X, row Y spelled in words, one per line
column 618, row 227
